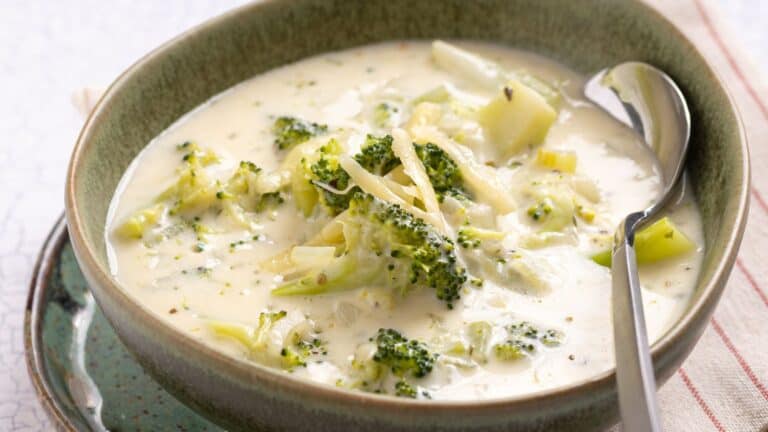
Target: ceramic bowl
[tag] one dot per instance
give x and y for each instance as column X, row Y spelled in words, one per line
column 185, row 72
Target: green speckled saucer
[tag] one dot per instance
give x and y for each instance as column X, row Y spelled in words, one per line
column 83, row 374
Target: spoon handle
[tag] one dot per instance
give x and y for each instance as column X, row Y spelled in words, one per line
column 634, row 370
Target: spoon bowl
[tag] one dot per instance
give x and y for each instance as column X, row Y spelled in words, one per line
column 648, row 101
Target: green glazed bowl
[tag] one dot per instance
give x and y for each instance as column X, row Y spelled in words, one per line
column 185, row 72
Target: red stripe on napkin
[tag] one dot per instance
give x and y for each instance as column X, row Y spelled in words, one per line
column 752, row 282
column 743, row 363
column 700, row 400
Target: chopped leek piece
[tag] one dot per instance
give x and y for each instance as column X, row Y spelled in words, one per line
column 603, row 258
column 659, row 241
column 437, row 95
column 384, row 114
column 254, row 339
column 557, row 160
column 305, row 195
column 479, row 334
column 304, row 257
column 338, row 276
column 135, row 226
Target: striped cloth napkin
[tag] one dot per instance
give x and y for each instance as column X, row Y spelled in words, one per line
column 722, row 386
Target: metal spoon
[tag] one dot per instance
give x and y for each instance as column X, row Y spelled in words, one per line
column 647, row 100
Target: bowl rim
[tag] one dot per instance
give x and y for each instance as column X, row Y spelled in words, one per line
column 700, row 308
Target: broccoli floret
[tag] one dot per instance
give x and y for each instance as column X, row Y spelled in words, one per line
column 269, row 201
column 524, row 329
column 443, row 172
column 541, row 210
column 314, row 347
column 291, row 359
column 551, row 338
column 377, row 156
column 513, row 349
column 402, row 356
column 523, row 339
column 430, row 256
column 243, row 188
column 194, row 155
column 553, row 210
column 470, row 237
column 250, row 166
column 390, row 354
column 405, row 389
column 328, row 172
column 383, row 113
column 242, row 181
column 299, row 351
column 299, row 346
column 290, row 131
column 196, row 192
column 193, row 193
column 387, row 246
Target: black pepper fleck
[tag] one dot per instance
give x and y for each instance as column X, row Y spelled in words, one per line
column 508, row 93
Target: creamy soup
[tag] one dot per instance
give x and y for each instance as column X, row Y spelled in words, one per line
column 414, row 219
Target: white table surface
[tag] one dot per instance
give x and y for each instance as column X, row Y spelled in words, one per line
column 50, row 48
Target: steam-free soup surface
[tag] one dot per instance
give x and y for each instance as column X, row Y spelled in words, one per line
column 527, row 220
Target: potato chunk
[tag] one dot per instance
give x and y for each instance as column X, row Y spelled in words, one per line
column 517, row 118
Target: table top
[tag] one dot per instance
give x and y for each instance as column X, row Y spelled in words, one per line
column 50, row 49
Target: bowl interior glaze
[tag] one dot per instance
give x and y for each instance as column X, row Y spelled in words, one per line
column 585, row 36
